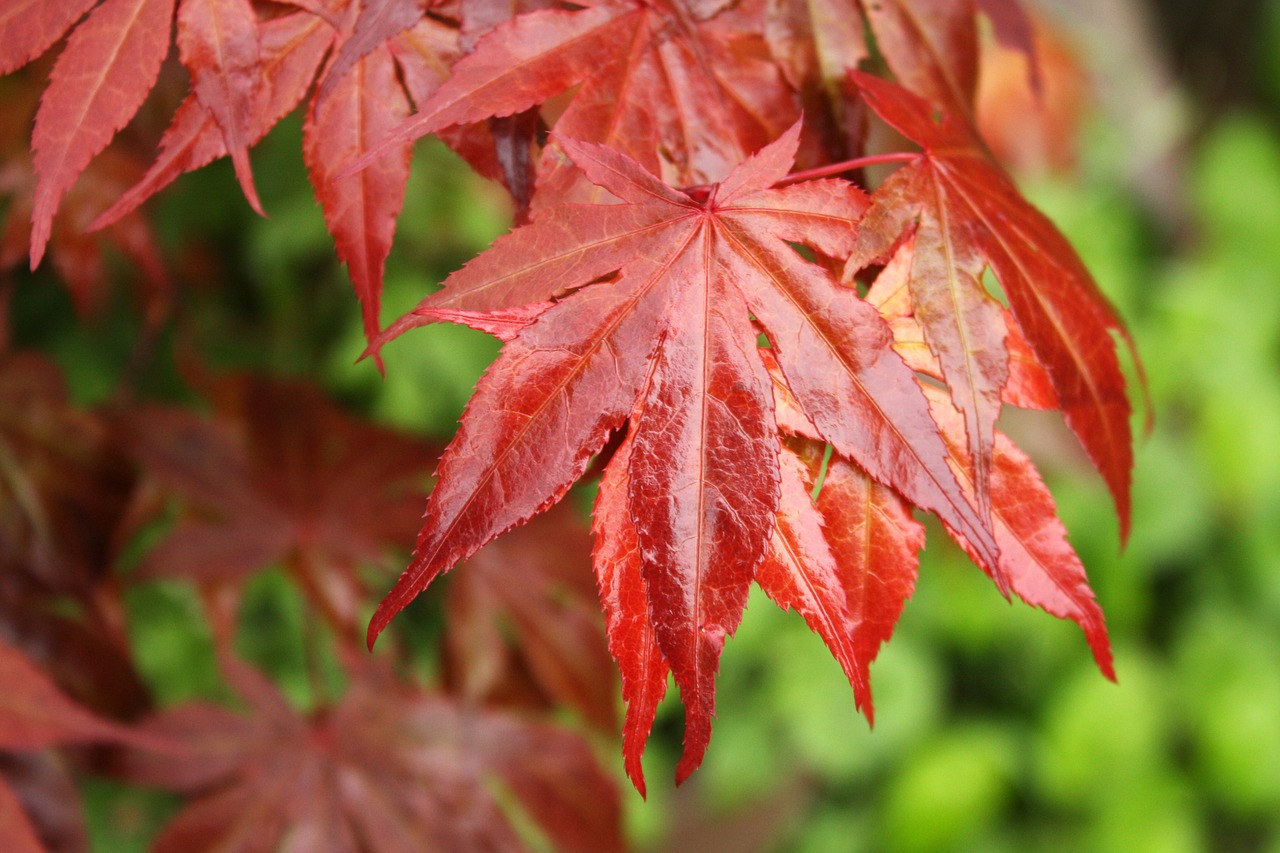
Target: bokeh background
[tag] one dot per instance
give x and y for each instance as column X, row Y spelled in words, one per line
column 1157, row 150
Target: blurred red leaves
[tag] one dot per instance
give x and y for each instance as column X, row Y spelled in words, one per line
column 279, row 476
column 386, row 768
column 524, row 623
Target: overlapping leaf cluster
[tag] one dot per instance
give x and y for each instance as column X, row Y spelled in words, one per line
column 771, row 367
column 659, row 299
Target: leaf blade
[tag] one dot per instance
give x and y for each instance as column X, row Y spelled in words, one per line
column 1058, row 307
column 292, row 47
column 836, row 354
column 1042, row 567
column 800, row 573
column 360, row 210
column 30, row 27
column 218, row 44
column 547, row 419
column 704, row 487
column 625, row 599
column 98, row 83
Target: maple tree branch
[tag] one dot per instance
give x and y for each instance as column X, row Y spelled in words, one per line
column 847, row 166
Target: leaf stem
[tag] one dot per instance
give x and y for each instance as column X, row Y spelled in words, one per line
column 847, row 166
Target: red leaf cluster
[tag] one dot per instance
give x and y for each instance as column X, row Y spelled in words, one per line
column 682, row 303
column 635, row 309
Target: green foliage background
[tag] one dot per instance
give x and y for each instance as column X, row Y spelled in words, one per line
column 994, row 731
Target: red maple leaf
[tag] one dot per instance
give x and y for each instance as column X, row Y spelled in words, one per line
column 642, row 313
column 856, row 535
column 357, row 107
column 686, row 91
column 966, row 215
column 694, row 339
column 249, row 73
column 290, row 50
column 282, row 476
column 246, row 73
column 218, row 41
column 110, row 63
column 386, row 768
column 1036, row 561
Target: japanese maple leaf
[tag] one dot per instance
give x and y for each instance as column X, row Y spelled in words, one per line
column 358, row 106
column 108, row 67
column 361, row 101
column 386, row 768
column 846, row 566
column 284, row 475
column 290, row 50
column 641, row 312
column 856, row 543
column 656, row 77
column 1036, row 561
column 218, row 42
column 931, row 46
column 111, row 62
column 967, row 215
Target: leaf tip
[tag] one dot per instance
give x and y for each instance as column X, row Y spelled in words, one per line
column 244, row 175
column 636, row 774
column 371, row 637
column 1095, row 633
column 1123, row 512
column 1106, row 664
column 382, row 617
column 688, row 764
column 41, row 227
column 696, row 739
